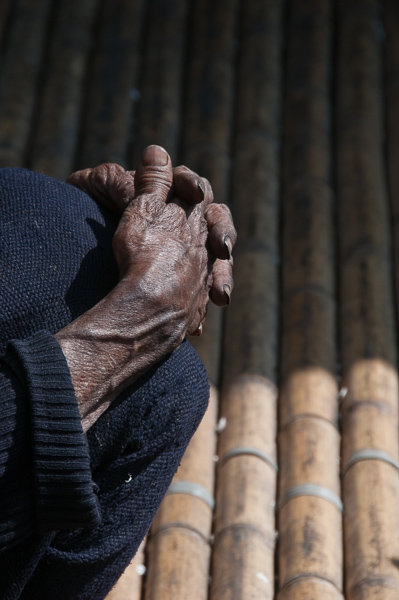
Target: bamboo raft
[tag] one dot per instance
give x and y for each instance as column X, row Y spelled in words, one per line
column 290, row 487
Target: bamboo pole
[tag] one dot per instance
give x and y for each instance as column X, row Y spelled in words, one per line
column 309, row 505
column 178, row 556
column 209, row 93
column 112, row 84
column 206, row 129
column 367, row 324
column 19, row 78
column 56, row 126
column 179, row 542
column 243, row 556
column 130, row 584
column 5, row 9
column 391, row 26
column 161, row 86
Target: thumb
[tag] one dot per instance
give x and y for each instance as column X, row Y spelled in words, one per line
column 154, row 174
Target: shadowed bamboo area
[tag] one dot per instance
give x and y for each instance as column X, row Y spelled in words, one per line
column 289, row 489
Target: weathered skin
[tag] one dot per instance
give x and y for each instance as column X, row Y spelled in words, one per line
column 173, row 248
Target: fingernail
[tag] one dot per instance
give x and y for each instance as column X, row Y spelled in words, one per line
column 201, row 188
column 227, row 291
column 229, row 245
column 154, row 156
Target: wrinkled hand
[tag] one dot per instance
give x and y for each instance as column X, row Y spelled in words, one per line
column 173, row 249
column 182, row 200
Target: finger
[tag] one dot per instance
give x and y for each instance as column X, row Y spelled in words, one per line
column 197, row 323
column 109, row 184
column 79, row 178
column 223, row 283
column 199, row 329
column 190, row 187
column 154, row 174
column 222, row 234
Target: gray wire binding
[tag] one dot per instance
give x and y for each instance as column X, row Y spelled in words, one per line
column 311, row 489
column 240, row 450
column 373, row 454
column 192, row 489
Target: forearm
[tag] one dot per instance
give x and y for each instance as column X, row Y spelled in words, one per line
column 115, row 342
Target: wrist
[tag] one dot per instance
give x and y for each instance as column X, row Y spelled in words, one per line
column 111, row 345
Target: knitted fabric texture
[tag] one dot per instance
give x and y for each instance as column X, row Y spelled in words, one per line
column 74, row 508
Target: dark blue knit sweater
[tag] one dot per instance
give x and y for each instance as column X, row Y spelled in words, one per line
column 74, row 508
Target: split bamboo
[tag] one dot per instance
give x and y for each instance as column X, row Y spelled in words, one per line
column 243, row 556
column 54, row 142
column 19, row 77
column 161, row 88
column 367, row 324
column 309, row 500
column 130, row 584
column 112, row 84
column 179, row 542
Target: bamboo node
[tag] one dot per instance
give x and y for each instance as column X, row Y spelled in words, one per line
column 192, row 489
column 247, row 450
column 370, row 454
column 315, row 577
column 379, row 581
column 208, row 540
column 311, row 489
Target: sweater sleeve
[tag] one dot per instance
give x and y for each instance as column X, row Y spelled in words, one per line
column 45, row 476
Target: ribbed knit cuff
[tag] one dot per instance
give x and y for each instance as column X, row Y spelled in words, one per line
column 64, row 490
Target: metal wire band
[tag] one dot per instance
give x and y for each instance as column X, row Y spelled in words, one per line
column 186, row 526
column 240, row 450
column 311, row 489
column 370, row 454
column 192, row 489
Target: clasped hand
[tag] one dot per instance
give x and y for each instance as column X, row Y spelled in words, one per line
column 173, row 248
